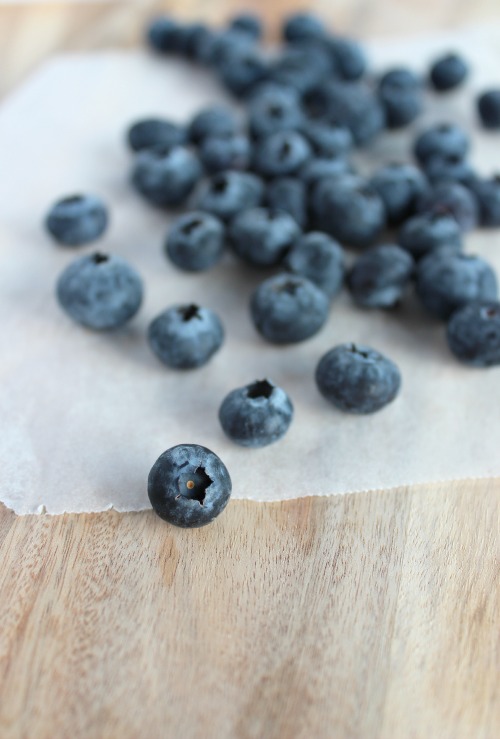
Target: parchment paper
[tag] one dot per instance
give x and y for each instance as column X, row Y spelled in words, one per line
column 85, row 415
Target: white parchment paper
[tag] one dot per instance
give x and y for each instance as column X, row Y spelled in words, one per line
column 84, row 415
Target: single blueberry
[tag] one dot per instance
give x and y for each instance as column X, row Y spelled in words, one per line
column 357, row 379
column 400, row 92
column 473, row 334
column 189, row 486
column 228, row 42
column 448, row 72
column 256, row 415
column 454, row 199
column 281, row 153
column 286, row 309
column 448, row 167
column 302, row 27
column 242, row 71
column 442, row 139
column 348, row 209
column 427, row 232
column 400, row 186
column 447, row 280
column 354, row 105
column 262, row 237
column 185, row 336
column 198, row 42
column 249, row 24
column 219, row 153
column 320, row 259
column 155, row 132
column 328, row 139
column 226, row 193
column 380, row 276
column 274, row 108
column 166, row 177
column 318, row 168
column 350, row 59
column 487, row 192
column 100, row 292
column 77, row 219
column 195, row 241
column 216, row 120
column 488, row 105
column 163, row 35
column 302, row 67
column 289, row 195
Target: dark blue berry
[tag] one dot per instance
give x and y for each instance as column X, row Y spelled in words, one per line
column 321, row 167
column 328, row 139
column 488, row 105
column 427, row 232
column 474, row 334
column 249, row 24
column 487, row 192
column 100, row 291
column 448, row 72
column 350, row 58
column 354, row 105
column 163, row 35
column 227, row 43
column 261, row 236
column 286, row 309
column 198, row 42
column 189, row 486
column 281, row 153
column 400, row 186
column 447, row 280
column 320, row 259
column 400, row 92
column 77, row 220
column 381, row 276
column 454, row 199
column 446, row 139
column 357, row 379
column 302, row 67
column 185, row 336
column 256, row 415
column 289, row 195
column 166, row 177
column 349, row 209
column 219, row 153
column 273, row 108
column 242, row 71
column 227, row 193
column 450, row 167
column 195, row 241
column 303, row 27
column 214, row 121
column 155, row 132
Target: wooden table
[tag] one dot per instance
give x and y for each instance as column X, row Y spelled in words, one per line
column 373, row 615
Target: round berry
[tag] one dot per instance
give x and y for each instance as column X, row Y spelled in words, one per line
column 488, row 105
column 164, row 176
column 77, row 219
column 474, row 334
column 320, row 259
column 448, row 72
column 195, row 241
column 427, row 232
column 155, row 132
column 262, row 237
column 381, row 276
column 186, row 336
column 225, row 194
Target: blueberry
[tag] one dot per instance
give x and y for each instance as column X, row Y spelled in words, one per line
column 166, row 177
column 302, row 66
column 100, row 291
column 163, row 35
column 319, row 258
column 448, row 72
column 488, row 105
column 281, row 153
column 400, row 186
column 354, row 105
column 198, row 42
column 350, row 58
column 286, row 309
column 348, row 209
column 289, row 195
column 328, row 139
column 195, row 241
column 381, row 276
column 261, row 236
column 273, row 108
column 443, row 139
column 452, row 198
column 357, row 379
column 228, row 42
column 256, row 415
column 450, row 167
column 318, row 168
column 77, row 220
column 242, row 71
column 487, row 193
column 189, row 486
column 226, row 193
column 302, row 27
column 427, row 232
column 185, row 336
column 219, row 153
column 214, row 121
column 400, row 92
column 249, row 24
column 474, row 334
column 155, row 132
column 447, row 280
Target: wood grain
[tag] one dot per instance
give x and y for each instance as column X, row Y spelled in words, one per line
column 371, row 616
column 358, row 616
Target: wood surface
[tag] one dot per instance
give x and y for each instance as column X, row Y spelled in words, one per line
column 367, row 616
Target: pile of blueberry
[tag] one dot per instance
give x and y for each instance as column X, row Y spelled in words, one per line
column 282, row 192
